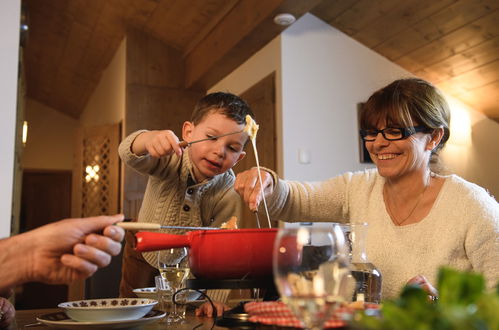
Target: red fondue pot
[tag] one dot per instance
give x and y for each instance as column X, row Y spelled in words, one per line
column 219, row 254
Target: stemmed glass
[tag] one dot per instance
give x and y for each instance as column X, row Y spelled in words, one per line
column 173, row 266
column 311, row 271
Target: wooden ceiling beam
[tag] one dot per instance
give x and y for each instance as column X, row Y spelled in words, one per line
column 242, row 32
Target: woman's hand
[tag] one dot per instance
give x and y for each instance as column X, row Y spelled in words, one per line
column 7, row 313
column 422, row 282
column 207, row 310
column 247, row 185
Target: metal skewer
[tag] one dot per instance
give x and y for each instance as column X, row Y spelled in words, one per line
column 156, row 226
column 184, row 144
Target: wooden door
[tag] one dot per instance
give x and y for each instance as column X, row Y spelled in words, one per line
column 45, row 198
column 261, row 98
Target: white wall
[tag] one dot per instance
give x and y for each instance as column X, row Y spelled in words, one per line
column 325, row 74
column 260, row 65
column 9, row 48
column 51, row 138
column 107, row 103
column 321, row 76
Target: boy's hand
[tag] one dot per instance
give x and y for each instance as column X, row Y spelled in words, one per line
column 247, row 185
column 157, row 144
column 207, row 310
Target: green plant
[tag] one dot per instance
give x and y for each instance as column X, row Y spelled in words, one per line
column 463, row 304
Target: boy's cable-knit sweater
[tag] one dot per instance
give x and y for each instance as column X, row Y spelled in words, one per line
column 173, row 198
column 460, row 231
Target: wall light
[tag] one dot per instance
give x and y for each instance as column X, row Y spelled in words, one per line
column 92, row 173
column 460, row 125
column 25, row 132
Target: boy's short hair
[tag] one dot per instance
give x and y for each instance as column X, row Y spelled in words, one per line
column 227, row 104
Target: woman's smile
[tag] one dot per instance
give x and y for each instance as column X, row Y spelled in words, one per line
column 386, row 156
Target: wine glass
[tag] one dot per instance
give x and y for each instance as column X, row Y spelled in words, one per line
column 173, row 266
column 311, row 271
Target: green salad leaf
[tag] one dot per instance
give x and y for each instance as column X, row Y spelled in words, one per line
column 463, row 304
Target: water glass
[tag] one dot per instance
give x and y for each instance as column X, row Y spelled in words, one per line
column 311, row 268
column 164, row 294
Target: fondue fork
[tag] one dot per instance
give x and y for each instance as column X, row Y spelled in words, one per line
column 128, row 225
column 184, row 144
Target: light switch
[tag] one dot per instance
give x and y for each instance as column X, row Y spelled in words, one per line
column 303, row 156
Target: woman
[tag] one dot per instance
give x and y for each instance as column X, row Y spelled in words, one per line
column 418, row 220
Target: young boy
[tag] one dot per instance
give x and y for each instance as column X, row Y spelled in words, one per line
column 186, row 187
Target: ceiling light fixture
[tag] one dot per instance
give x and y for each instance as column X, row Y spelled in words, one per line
column 284, row 19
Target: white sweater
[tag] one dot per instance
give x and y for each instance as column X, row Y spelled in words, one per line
column 460, row 231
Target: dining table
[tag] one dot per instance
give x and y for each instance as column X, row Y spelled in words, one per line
column 26, row 319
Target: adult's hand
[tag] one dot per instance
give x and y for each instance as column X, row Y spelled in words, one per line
column 422, row 282
column 60, row 252
column 247, row 184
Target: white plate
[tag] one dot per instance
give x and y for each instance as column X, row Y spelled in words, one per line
column 149, row 293
column 61, row 320
column 109, row 309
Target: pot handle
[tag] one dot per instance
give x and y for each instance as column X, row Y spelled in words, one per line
column 148, row 241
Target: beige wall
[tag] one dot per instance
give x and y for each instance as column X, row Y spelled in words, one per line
column 50, row 138
column 472, row 151
column 107, row 103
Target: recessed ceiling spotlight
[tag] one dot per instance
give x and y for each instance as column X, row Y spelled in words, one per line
column 284, row 19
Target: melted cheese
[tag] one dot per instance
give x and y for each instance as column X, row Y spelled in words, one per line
column 252, row 128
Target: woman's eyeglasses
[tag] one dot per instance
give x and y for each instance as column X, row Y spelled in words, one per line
column 392, row 133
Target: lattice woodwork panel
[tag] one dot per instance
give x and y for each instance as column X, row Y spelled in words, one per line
column 95, row 177
column 96, row 172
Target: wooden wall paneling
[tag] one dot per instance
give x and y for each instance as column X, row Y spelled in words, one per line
column 152, row 108
column 329, row 10
column 261, row 98
column 152, row 63
column 433, row 27
column 348, row 21
column 473, row 79
column 461, row 63
column 486, row 96
column 216, row 13
column 84, row 11
column 211, row 49
column 190, row 18
column 155, row 99
column 457, row 41
column 77, row 42
column 390, row 24
column 238, row 36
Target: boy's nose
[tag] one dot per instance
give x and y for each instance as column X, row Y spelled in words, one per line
column 219, row 149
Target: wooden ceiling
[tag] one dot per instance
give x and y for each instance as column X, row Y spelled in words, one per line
column 452, row 43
